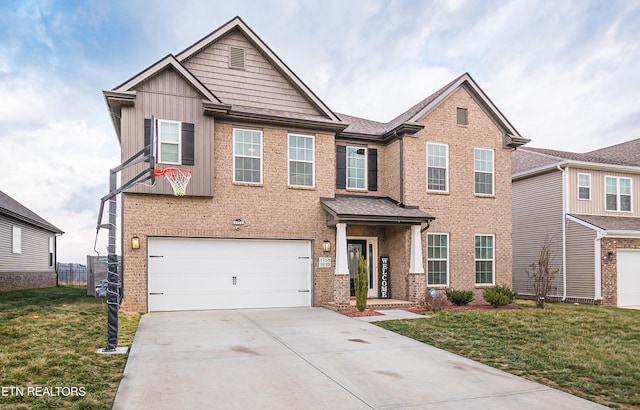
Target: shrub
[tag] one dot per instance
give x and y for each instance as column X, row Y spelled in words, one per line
column 499, row 296
column 459, row 297
column 361, row 285
column 435, row 304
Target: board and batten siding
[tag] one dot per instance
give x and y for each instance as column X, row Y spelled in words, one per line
column 596, row 205
column 35, row 247
column 169, row 97
column 537, row 215
column 258, row 85
column 580, row 261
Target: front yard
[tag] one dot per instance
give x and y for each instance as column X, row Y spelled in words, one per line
column 589, row 351
column 48, row 339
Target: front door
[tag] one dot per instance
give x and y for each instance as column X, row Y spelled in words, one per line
column 367, row 248
column 355, row 249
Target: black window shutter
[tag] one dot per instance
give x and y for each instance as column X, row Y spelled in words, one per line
column 372, row 169
column 341, row 167
column 147, row 134
column 188, row 144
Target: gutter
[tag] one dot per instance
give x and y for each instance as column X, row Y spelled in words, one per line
column 564, row 231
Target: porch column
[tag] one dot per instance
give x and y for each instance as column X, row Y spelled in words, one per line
column 342, row 261
column 415, row 265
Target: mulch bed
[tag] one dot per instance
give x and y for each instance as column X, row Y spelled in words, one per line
column 357, row 313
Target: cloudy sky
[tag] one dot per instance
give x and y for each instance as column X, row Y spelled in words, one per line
column 565, row 73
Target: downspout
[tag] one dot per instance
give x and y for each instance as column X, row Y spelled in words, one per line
column 564, row 233
column 401, row 167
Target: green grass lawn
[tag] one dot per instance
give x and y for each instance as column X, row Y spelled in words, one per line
column 48, row 339
column 590, row 351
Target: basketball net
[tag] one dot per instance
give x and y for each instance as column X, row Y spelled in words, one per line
column 177, row 177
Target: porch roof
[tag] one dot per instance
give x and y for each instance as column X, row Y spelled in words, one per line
column 611, row 223
column 369, row 210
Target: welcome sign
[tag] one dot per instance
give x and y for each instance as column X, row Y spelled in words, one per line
column 384, row 277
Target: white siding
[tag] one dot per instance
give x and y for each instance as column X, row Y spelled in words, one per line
column 35, row 247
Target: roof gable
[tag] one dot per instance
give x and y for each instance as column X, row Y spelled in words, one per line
column 169, row 62
column 208, row 50
column 14, row 209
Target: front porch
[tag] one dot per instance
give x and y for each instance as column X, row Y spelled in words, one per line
column 373, row 304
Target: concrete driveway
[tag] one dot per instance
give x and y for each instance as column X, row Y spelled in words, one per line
column 307, row 358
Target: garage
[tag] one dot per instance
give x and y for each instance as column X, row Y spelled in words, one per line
column 203, row 274
column 628, row 277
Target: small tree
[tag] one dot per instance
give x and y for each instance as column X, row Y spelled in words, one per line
column 361, row 284
column 541, row 276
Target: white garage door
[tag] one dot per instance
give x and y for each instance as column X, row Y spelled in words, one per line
column 200, row 274
column 628, row 277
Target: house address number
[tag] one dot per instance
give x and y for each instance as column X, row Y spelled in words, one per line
column 324, row 262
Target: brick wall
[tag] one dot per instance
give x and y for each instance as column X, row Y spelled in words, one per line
column 271, row 210
column 610, row 267
column 27, row 280
column 459, row 212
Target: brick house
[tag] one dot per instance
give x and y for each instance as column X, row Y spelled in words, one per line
column 586, row 204
column 28, row 246
column 286, row 193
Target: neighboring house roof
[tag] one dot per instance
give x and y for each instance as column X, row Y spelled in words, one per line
column 408, row 120
column 530, row 160
column 379, row 210
column 625, row 153
column 611, row 223
column 14, row 209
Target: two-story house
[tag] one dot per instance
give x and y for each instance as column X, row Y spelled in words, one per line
column 586, row 207
column 28, row 245
column 286, row 194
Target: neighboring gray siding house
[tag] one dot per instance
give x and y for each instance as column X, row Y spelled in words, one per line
column 27, row 247
column 588, row 206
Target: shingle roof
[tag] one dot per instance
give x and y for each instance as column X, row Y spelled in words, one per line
column 364, row 126
column 372, row 209
column 611, row 223
column 529, row 158
column 13, row 208
column 626, row 152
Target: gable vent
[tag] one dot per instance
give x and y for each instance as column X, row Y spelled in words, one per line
column 236, row 57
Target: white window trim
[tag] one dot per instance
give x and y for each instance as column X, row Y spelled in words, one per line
column 493, row 172
column 52, row 248
column 366, row 181
column 618, row 202
column 178, row 143
column 446, row 190
column 233, row 162
column 447, row 259
column 313, row 161
column 584, row 186
column 493, row 259
column 16, row 239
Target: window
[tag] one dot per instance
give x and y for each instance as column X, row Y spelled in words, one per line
column 52, row 247
column 437, row 167
column 484, row 259
column 247, row 156
column 356, row 168
column 584, row 186
column 483, row 171
column 301, row 157
column 618, row 194
column 16, row 239
column 437, row 259
column 169, row 139
column 462, row 116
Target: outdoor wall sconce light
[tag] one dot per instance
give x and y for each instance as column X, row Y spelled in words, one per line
column 238, row 223
column 135, row 242
column 610, row 256
column 326, row 246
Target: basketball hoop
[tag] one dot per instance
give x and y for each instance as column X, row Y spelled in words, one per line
column 178, row 178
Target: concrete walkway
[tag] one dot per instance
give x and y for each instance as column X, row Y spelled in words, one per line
column 308, row 358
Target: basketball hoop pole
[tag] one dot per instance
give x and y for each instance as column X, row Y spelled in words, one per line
column 114, row 288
